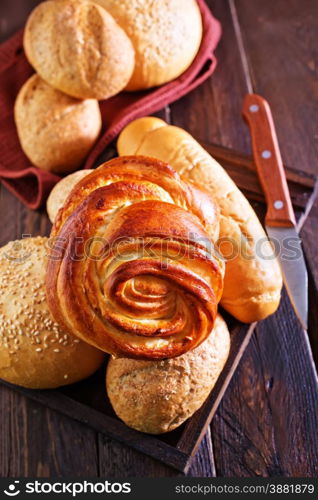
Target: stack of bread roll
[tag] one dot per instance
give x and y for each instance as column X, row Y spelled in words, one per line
column 86, row 51
column 151, row 306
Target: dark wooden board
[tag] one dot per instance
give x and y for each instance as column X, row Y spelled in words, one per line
column 86, row 401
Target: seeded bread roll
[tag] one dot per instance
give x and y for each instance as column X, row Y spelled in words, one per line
column 166, row 36
column 78, row 48
column 158, row 396
column 61, row 191
column 253, row 282
column 34, row 351
column 56, row 131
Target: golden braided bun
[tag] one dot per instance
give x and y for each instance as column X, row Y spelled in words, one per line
column 78, row 48
column 132, row 269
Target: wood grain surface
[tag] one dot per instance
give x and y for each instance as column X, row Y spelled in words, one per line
column 267, row 422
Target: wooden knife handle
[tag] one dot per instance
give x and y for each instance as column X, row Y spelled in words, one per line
column 257, row 113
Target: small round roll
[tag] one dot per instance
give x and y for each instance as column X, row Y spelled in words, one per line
column 158, row 396
column 56, row 131
column 34, row 351
column 166, row 36
column 133, row 268
column 61, row 191
column 78, row 48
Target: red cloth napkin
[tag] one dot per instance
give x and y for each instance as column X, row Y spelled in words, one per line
column 31, row 184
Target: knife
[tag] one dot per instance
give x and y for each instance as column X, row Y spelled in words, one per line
column 280, row 220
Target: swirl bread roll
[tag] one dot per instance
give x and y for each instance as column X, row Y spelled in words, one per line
column 158, row 396
column 132, row 268
column 78, row 48
column 61, row 191
column 34, row 351
column 56, row 131
column 252, row 283
column 166, row 36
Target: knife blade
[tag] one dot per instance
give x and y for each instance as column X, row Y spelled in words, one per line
column 280, row 222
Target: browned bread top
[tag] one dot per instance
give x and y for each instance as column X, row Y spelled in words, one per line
column 34, row 351
column 133, row 269
column 78, row 48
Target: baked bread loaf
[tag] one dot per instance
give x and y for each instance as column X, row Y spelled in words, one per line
column 61, row 191
column 158, row 396
column 56, row 131
column 78, row 48
column 253, row 282
column 166, row 36
column 34, row 351
column 132, row 270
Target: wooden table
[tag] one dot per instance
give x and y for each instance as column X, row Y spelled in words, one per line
column 267, row 422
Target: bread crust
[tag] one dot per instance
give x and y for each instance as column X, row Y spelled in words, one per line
column 166, row 36
column 34, row 351
column 56, row 131
column 152, row 287
column 61, row 191
column 78, row 48
column 253, row 283
column 158, row 396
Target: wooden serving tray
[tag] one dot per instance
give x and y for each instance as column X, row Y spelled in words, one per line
column 87, row 402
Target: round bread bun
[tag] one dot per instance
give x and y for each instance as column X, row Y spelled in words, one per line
column 166, row 36
column 78, row 48
column 61, row 191
column 34, row 351
column 158, row 396
column 56, row 131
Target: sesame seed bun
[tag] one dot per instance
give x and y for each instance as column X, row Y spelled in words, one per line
column 34, row 351
column 56, row 131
